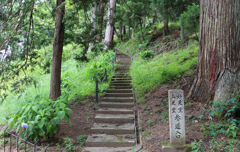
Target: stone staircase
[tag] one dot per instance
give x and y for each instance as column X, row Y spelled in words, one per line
column 114, row 128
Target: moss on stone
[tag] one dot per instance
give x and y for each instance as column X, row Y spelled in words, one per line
column 187, row 146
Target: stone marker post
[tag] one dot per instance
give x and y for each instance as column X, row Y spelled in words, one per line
column 176, row 117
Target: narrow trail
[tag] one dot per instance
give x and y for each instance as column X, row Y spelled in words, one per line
column 114, row 128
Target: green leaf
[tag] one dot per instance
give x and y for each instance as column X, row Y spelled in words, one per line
column 66, row 118
column 68, row 110
column 41, row 132
column 61, row 114
column 55, row 121
column 35, row 108
column 36, row 118
column 41, row 122
column 10, row 121
column 49, row 127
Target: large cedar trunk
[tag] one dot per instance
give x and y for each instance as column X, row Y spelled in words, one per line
column 94, row 25
column 55, row 86
column 218, row 72
column 109, row 26
column 102, row 6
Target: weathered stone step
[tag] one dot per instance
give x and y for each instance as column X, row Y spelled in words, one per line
column 119, row 95
column 109, row 149
column 116, row 128
column 118, row 99
column 116, row 118
column 122, row 76
column 114, row 111
column 122, row 70
column 119, row 91
column 121, row 81
column 103, row 140
column 120, row 84
column 120, row 87
column 122, row 67
column 116, row 104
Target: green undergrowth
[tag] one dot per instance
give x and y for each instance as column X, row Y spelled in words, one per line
column 77, row 79
column 165, row 67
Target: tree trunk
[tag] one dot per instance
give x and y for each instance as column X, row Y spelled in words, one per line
column 165, row 27
column 102, row 6
column 94, row 25
column 218, row 72
column 116, row 33
column 123, row 30
column 129, row 31
column 55, row 86
column 120, row 33
column 182, row 32
column 155, row 17
column 132, row 32
column 109, row 26
column 141, row 29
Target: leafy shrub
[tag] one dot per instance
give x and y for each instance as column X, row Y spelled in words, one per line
column 226, row 108
column 42, row 116
column 196, row 146
column 190, row 19
column 98, row 66
column 147, row 54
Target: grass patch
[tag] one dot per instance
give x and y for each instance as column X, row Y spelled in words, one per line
column 165, row 67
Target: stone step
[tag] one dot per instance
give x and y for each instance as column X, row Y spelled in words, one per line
column 117, row 79
column 106, row 128
column 119, row 91
column 120, row 84
column 122, row 67
column 116, row 105
column 122, row 70
column 103, row 140
column 120, row 87
column 109, row 149
column 119, row 95
column 116, row 118
column 121, row 77
column 121, row 81
column 114, row 111
column 118, row 99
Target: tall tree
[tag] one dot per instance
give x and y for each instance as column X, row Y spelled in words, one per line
column 55, row 84
column 218, row 72
column 101, row 12
column 94, row 24
column 109, row 27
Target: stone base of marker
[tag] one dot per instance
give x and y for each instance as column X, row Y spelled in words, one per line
column 178, row 148
column 172, row 149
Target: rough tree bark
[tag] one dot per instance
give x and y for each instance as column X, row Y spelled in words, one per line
column 129, row 31
column 165, row 27
column 109, row 26
column 102, row 6
column 55, row 88
column 123, row 30
column 218, row 72
column 94, row 24
column 155, row 17
column 141, row 29
column 132, row 33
